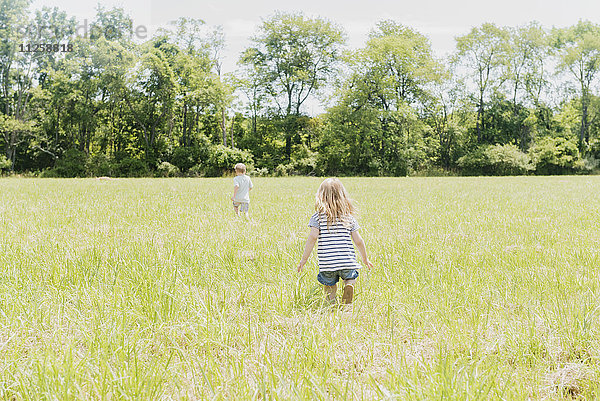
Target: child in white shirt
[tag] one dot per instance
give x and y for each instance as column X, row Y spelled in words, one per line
column 242, row 184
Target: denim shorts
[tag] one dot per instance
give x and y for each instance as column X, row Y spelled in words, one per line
column 244, row 206
column 331, row 278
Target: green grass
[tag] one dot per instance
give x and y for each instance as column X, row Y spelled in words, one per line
column 484, row 288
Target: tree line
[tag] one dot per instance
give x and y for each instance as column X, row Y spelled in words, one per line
column 508, row 100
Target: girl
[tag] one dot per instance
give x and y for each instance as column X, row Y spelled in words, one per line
column 333, row 225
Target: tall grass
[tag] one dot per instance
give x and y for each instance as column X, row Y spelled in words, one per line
column 484, row 288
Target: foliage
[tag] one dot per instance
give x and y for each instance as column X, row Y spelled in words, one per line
column 222, row 160
column 373, row 142
column 393, row 107
column 508, row 160
column 495, row 160
column 185, row 158
column 482, row 52
column 260, row 172
column 196, row 171
column 292, row 57
column 166, row 169
column 71, row 164
column 130, row 167
column 4, row 163
column 555, row 156
column 100, row 165
column 578, row 50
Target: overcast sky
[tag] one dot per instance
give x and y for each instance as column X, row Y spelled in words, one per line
column 440, row 20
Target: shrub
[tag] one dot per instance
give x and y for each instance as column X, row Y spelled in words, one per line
column 71, row 164
column 587, row 165
column 555, row 156
column 129, row 167
column 303, row 161
column 48, row 173
column 594, row 149
column 495, row 160
column 474, row 163
column 261, row 172
column 196, row 171
column 184, row 158
column 99, row 165
column 166, row 169
column 434, row 171
column 4, row 163
column 508, row 160
column 305, row 165
column 222, row 160
column 283, row 170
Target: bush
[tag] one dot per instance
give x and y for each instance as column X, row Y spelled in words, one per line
column 222, row 160
column 99, row 165
column 305, row 166
column 4, row 163
column 261, row 172
column 166, row 169
column 196, row 171
column 433, row 171
column 474, row 163
column 555, row 156
column 508, row 160
column 594, row 148
column 184, row 158
column 495, row 160
column 48, row 173
column 303, row 161
column 71, row 164
column 283, row 170
column 129, row 167
column 587, row 165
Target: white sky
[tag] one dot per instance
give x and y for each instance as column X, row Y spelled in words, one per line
column 439, row 20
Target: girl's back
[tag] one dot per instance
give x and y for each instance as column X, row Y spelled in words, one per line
column 335, row 250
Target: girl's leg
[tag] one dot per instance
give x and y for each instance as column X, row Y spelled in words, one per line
column 331, row 292
column 348, row 294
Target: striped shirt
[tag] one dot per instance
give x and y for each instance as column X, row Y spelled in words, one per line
column 335, row 250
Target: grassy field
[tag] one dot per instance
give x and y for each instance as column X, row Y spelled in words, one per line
column 484, row 288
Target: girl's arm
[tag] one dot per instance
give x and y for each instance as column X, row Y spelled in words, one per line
column 313, row 235
column 360, row 244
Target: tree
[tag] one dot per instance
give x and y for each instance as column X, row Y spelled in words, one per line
column 112, row 25
column 482, row 51
column 14, row 132
column 150, row 97
column 527, row 55
column 578, row 51
column 381, row 102
column 16, row 75
column 395, row 67
column 447, row 115
column 294, row 56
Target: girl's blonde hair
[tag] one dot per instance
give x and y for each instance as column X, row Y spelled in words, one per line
column 333, row 200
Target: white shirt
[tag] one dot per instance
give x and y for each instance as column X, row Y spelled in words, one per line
column 244, row 183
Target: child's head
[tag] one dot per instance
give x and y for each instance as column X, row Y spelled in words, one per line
column 240, row 168
column 333, row 200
